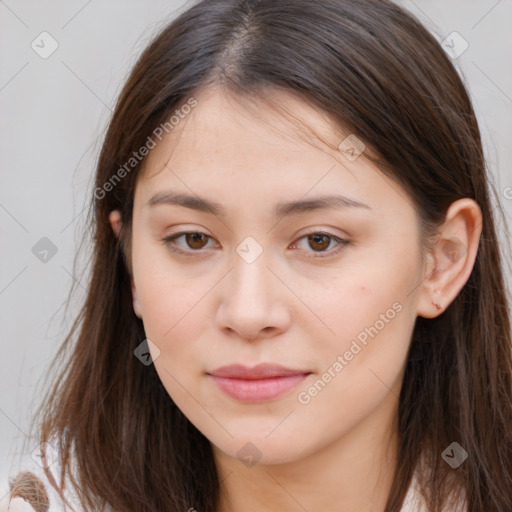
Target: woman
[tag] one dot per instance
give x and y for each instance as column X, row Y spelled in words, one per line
column 296, row 299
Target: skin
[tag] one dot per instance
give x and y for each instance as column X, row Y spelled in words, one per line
column 335, row 452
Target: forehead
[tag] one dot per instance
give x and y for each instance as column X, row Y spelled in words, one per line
column 275, row 147
column 224, row 126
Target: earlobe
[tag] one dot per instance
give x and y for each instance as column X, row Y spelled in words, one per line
column 451, row 260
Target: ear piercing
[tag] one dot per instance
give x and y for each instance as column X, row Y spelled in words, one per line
column 438, row 306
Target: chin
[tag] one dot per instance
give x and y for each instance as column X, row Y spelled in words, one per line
column 251, row 450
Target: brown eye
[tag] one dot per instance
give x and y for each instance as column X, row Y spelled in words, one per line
column 318, row 244
column 196, row 240
column 187, row 243
column 192, row 243
column 319, row 241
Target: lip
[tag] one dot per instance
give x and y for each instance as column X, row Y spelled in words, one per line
column 259, row 383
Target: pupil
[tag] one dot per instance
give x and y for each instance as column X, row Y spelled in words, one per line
column 193, row 238
column 315, row 238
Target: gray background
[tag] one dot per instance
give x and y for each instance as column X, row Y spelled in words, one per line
column 54, row 113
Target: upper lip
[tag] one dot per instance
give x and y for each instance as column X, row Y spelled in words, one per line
column 260, row 371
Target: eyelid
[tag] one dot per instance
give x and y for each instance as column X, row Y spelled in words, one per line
column 168, row 241
column 342, row 242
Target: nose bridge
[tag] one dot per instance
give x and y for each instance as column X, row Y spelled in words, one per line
column 249, row 276
column 251, row 301
column 249, row 282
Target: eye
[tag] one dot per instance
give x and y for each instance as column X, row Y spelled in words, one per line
column 320, row 242
column 195, row 241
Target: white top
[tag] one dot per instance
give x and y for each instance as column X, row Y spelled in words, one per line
column 413, row 501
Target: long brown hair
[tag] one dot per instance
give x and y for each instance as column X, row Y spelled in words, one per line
column 121, row 440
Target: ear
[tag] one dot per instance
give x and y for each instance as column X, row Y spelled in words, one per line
column 450, row 262
column 116, row 224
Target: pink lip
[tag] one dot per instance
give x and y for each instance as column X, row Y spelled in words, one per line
column 257, row 384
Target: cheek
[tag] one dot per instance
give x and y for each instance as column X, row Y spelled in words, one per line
column 171, row 307
column 370, row 312
column 173, row 319
column 167, row 295
column 369, row 328
column 361, row 365
column 367, row 299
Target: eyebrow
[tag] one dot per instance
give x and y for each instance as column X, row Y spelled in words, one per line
column 280, row 210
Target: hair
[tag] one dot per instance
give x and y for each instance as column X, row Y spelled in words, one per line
column 26, row 485
column 381, row 75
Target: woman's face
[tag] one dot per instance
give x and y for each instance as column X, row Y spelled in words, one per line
column 322, row 293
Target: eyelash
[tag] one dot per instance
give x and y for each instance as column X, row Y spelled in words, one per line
column 169, row 242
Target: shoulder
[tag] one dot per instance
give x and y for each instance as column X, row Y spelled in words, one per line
column 414, row 501
column 30, row 490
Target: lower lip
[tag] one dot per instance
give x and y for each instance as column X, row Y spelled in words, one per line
column 258, row 390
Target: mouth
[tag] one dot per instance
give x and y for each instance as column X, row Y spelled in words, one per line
column 257, row 384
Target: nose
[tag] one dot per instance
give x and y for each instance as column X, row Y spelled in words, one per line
column 254, row 303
